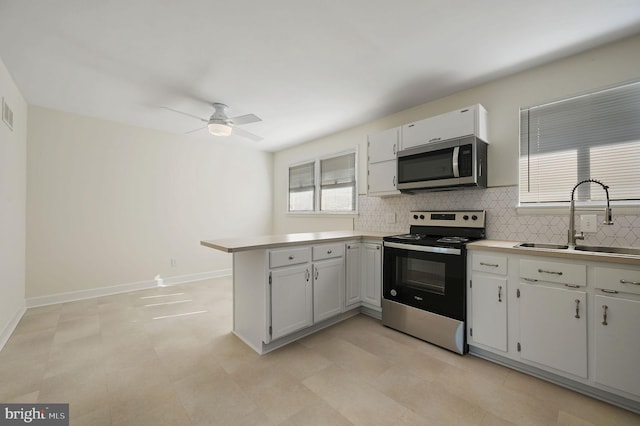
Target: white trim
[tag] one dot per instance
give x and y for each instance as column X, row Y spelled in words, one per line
column 72, row 296
column 11, row 326
column 563, row 209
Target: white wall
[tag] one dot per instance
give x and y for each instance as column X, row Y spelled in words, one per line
column 503, row 98
column 111, row 204
column 13, row 148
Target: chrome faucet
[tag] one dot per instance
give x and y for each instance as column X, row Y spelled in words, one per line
column 608, row 215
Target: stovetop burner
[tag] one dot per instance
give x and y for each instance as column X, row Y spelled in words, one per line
column 453, row 240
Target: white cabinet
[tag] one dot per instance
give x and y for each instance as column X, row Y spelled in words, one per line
column 371, row 275
column 383, row 146
column 488, row 298
column 328, row 288
column 553, row 327
column 353, row 275
column 617, row 343
column 291, row 300
column 381, row 165
column 467, row 121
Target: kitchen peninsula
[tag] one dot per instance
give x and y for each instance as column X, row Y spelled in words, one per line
column 288, row 286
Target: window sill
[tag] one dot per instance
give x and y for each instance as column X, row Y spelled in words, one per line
column 620, row 208
column 322, row 214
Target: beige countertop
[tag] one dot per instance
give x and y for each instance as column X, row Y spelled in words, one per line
column 509, row 247
column 232, row 245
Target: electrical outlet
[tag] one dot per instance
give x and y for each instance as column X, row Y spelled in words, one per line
column 391, row 218
column 589, row 223
column 173, row 263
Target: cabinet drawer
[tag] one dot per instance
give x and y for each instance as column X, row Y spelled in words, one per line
column 555, row 272
column 622, row 280
column 493, row 264
column 289, row 256
column 328, row 251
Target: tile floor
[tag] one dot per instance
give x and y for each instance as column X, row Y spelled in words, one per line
column 137, row 359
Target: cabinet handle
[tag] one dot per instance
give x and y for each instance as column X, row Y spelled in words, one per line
column 572, row 286
column 604, row 315
column 577, row 309
column 329, row 251
column 394, row 149
column 605, row 290
column 394, row 181
column 531, row 280
column 494, row 265
column 316, row 273
column 307, row 275
column 542, row 271
column 500, row 293
column 291, row 257
column 629, row 282
column 434, row 139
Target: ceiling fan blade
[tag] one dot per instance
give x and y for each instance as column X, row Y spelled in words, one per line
column 241, row 132
column 195, row 130
column 186, row 113
column 245, row 119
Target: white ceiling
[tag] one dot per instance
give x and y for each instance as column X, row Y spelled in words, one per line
column 307, row 68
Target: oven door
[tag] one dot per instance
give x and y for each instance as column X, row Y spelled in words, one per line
column 425, row 277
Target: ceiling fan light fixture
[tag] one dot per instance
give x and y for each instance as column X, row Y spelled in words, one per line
column 219, row 129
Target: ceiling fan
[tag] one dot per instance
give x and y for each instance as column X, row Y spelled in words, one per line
column 220, row 124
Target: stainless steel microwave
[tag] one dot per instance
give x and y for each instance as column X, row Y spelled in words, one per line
column 448, row 164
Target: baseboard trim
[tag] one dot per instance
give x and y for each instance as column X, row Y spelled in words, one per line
column 73, row 296
column 11, row 326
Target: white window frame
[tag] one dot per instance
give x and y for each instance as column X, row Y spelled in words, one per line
column 561, row 207
column 318, row 185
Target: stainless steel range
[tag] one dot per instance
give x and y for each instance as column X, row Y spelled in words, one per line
column 425, row 274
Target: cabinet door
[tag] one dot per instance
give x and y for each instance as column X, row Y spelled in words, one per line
column 372, row 274
column 454, row 124
column 291, row 300
column 383, row 146
column 328, row 288
column 382, row 178
column 353, row 276
column 617, row 343
column 489, row 311
column 553, row 327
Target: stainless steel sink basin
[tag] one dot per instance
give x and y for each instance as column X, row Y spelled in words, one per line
column 542, row 246
column 616, row 250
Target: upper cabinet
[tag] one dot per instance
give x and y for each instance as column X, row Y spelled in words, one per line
column 467, row 121
column 384, row 146
column 383, row 149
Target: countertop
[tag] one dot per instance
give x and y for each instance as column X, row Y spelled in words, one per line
column 509, row 247
column 232, row 245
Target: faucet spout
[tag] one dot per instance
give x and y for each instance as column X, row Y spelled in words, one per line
column 608, row 215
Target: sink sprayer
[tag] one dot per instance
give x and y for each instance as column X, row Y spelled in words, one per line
column 608, row 215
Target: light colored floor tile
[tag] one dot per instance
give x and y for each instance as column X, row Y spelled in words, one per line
column 117, row 365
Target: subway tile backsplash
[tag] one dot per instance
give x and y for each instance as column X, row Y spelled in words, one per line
column 503, row 221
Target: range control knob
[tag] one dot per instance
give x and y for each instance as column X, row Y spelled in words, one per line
column 474, row 217
column 393, row 292
column 465, row 217
column 415, row 216
column 422, row 216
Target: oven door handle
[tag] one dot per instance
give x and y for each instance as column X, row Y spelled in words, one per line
column 427, row 249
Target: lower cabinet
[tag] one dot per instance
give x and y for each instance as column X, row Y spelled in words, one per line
column 371, row 261
column 291, row 300
column 489, row 313
column 553, row 327
column 617, row 343
column 328, row 288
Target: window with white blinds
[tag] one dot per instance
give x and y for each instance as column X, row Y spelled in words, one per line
column 591, row 136
column 326, row 185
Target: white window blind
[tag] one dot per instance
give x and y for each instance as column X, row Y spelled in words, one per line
column 338, row 183
column 302, row 187
column 592, row 136
column 327, row 185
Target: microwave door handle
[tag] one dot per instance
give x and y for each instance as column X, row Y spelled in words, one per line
column 456, row 169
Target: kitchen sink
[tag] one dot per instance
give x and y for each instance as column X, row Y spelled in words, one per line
column 542, row 246
column 616, row 250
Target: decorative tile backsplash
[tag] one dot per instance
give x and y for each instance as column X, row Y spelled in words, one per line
column 503, row 221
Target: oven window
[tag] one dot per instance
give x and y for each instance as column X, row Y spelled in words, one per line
column 421, row 275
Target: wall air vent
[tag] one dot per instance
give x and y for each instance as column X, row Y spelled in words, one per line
column 7, row 114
